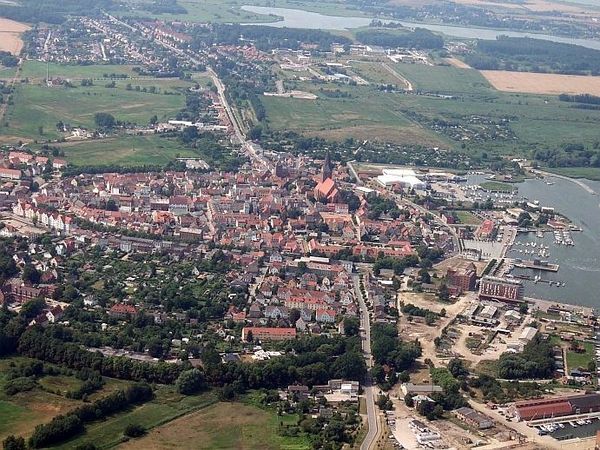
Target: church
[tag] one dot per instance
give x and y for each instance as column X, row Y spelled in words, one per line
column 326, row 189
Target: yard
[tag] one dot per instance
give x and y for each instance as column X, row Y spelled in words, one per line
column 575, row 359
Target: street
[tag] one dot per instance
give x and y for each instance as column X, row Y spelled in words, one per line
column 365, row 325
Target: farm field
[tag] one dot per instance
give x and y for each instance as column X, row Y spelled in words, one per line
column 10, row 35
column 220, row 426
column 36, row 105
column 124, row 150
column 166, row 406
column 542, row 83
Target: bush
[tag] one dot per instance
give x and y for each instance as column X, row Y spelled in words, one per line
column 134, row 430
column 190, row 382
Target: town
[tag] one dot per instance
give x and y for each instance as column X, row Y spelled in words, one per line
column 358, row 293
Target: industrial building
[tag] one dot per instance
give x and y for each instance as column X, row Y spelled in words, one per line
column 556, row 407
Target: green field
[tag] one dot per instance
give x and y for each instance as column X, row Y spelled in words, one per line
column 36, row 105
column 467, row 218
column 166, row 406
column 124, row 150
column 222, row 426
column 495, row 122
column 590, row 173
column 37, row 69
column 444, row 79
column 20, row 413
column 497, row 186
column 367, row 114
column 230, row 10
column 575, row 360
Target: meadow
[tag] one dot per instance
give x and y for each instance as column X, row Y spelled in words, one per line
column 447, row 95
column 229, row 11
column 124, row 150
column 37, row 70
column 41, row 106
column 222, row 426
column 166, row 407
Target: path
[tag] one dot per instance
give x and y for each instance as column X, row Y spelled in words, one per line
column 408, row 84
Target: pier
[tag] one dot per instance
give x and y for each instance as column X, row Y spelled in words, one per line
column 536, row 264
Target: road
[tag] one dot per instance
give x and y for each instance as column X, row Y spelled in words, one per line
column 369, row 390
column 408, row 84
column 437, row 219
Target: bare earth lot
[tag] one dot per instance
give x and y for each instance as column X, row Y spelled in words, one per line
column 542, row 83
column 10, row 35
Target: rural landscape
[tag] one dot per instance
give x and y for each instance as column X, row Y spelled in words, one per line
column 298, row 225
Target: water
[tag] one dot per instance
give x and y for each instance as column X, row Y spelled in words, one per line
column 579, row 264
column 297, row 18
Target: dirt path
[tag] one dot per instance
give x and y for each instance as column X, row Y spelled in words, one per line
column 408, row 84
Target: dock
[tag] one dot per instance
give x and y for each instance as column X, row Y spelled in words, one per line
column 536, row 264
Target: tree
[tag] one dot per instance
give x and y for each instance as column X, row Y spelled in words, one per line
column 255, row 133
column 350, row 365
column 457, row 368
column 104, row 120
column 14, row 443
column 351, row 326
column 190, row 382
column 134, row 430
column 294, row 315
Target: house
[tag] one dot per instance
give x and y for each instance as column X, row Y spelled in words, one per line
column 325, row 315
column 122, row 311
column 473, row 418
column 416, row 389
column 268, row 333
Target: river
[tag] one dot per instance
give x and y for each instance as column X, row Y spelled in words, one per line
column 297, row 18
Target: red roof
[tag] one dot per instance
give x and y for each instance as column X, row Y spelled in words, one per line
column 540, row 411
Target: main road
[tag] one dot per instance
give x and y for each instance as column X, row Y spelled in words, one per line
column 365, row 326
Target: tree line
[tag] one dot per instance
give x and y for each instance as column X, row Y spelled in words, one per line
column 534, row 55
column 420, row 38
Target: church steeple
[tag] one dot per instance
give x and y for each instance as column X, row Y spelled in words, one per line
column 327, row 167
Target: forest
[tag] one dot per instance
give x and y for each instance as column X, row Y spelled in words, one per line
column 534, row 55
column 419, row 39
column 52, row 11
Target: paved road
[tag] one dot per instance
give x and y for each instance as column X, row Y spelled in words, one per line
column 369, row 390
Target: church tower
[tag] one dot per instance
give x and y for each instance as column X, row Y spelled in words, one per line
column 327, row 167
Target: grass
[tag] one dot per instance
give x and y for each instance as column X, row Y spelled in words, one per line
column 467, row 218
column 37, row 70
column 124, row 150
column 444, row 79
column 590, row 173
column 221, row 426
column 167, row 406
column 36, row 105
column 367, row 114
column 230, row 10
column 575, row 360
column 497, row 186
column 20, row 413
column 534, row 121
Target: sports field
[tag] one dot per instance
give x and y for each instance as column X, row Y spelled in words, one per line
column 542, row 83
column 221, row 426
